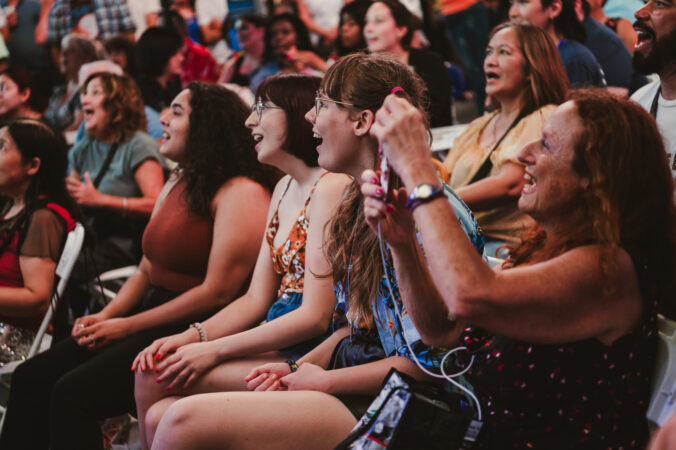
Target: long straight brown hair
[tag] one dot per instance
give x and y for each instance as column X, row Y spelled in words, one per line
column 351, row 246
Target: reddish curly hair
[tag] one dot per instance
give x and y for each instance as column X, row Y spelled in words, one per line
column 629, row 201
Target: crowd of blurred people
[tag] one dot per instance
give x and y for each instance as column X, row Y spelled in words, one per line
column 268, row 171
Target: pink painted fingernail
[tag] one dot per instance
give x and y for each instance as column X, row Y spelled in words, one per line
column 379, row 192
column 157, row 356
column 158, row 380
column 375, row 180
column 390, row 208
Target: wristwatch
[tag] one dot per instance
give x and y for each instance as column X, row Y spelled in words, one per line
column 423, row 193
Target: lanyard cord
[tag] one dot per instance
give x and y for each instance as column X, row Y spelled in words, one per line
column 655, row 103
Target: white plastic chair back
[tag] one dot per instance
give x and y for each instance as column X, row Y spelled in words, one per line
column 69, row 255
column 663, row 397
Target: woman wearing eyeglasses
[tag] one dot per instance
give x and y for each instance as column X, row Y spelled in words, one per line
column 290, row 290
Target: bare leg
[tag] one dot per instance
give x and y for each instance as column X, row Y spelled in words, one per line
column 254, row 420
column 153, row 417
column 228, row 376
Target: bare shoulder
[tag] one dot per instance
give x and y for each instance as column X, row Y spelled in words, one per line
column 331, row 186
column 241, row 189
column 241, row 197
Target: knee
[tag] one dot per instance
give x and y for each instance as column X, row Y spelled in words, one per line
column 152, row 419
column 146, row 390
column 177, row 426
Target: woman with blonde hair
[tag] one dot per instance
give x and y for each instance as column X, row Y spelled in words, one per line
column 525, row 80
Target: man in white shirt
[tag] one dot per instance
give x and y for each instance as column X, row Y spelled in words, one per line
column 210, row 17
column 144, row 13
column 655, row 52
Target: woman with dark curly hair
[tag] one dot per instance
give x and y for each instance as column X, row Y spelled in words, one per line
column 200, row 247
column 286, row 291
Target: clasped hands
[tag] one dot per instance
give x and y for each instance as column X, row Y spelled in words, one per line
column 278, row 377
column 84, row 193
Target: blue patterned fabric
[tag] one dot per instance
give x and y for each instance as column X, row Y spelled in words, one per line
column 391, row 329
column 112, row 18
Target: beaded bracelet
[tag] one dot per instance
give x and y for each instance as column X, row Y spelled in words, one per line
column 200, row 329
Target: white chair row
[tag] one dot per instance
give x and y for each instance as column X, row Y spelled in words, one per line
column 69, row 255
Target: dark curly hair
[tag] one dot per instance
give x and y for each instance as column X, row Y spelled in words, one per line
column 295, row 94
column 122, row 102
column 219, row 146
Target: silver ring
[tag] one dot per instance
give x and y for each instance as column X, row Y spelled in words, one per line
column 81, row 325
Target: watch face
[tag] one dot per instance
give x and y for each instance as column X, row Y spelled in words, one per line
column 424, row 191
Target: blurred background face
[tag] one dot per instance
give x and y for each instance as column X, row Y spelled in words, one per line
column 14, row 176
column 282, row 37
column 529, row 12
column 11, row 98
column 381, row 31
column 350, row 31
column 120, row 58
column 95, row 115
column 248, row 34
column 71, row 60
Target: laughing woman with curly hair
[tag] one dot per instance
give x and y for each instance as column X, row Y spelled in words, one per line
column 200, row 247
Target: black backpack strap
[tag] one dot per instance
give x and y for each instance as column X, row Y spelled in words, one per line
column 487, row 165
column 105, row 165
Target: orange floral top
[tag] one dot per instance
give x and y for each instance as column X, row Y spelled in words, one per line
column 288, row 259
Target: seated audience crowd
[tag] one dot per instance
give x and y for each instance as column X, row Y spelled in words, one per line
column 266, row 176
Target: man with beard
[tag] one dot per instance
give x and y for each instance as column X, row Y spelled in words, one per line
column 655, row 52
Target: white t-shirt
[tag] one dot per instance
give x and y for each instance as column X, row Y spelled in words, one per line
column 666, row 119
column 139, row 9
column 207, row 10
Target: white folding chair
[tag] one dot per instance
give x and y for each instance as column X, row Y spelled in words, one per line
column 114, row 279
column 69, row 255
column 663, row 397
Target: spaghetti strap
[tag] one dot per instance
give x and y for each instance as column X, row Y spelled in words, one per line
column 309, row 197
column 286, row 188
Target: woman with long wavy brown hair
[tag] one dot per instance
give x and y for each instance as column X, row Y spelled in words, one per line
column 565, row 331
